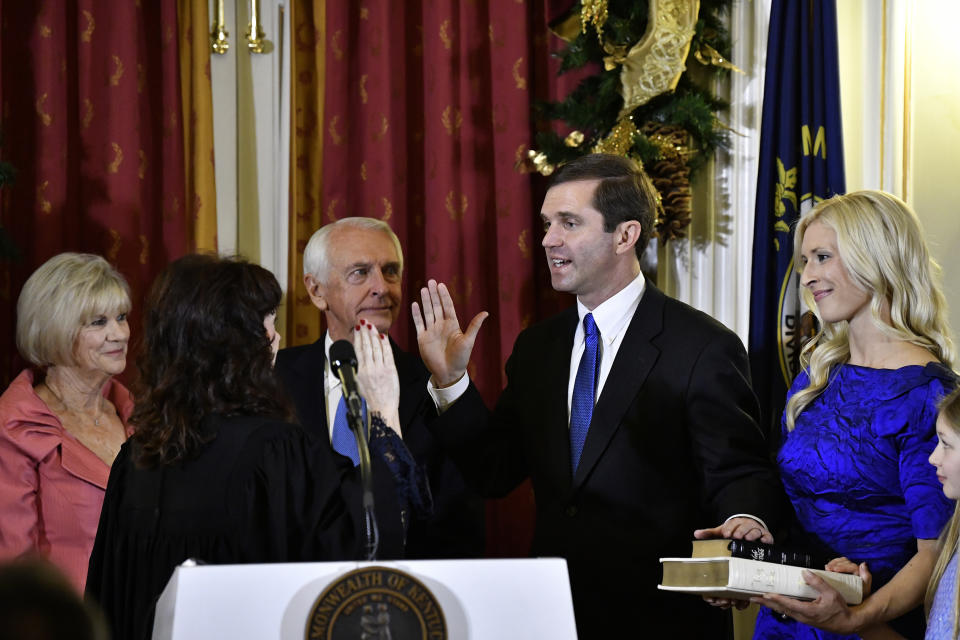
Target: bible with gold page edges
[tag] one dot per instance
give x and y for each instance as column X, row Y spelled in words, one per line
column 740, row 578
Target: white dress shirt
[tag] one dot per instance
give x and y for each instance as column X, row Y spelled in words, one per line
column 332, row 388
column 612, row 317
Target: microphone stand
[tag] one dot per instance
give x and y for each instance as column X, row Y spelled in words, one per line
column 355, row 420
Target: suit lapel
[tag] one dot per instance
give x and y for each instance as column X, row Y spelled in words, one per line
column 81, row 462
column 309, row 367
column 556, row 413
column 635, row 359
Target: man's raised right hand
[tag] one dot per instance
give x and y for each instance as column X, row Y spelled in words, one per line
column 445, row 349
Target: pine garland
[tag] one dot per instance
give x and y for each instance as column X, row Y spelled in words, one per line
column 685, row 116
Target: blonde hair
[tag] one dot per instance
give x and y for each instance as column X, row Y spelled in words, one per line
column 947, row 543
column 881, row 245
column 68, row 291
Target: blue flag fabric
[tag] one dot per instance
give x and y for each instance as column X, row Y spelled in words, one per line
column 800, row 164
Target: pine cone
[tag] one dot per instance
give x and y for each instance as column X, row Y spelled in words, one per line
column 671, row 177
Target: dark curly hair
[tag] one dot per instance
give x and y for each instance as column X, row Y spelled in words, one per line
column 205, row 352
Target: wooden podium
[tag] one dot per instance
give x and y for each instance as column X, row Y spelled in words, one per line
column 480, row 599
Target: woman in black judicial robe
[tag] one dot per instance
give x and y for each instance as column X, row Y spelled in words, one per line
column 214, row 471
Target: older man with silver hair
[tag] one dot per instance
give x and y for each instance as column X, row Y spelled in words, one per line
column 353, row 271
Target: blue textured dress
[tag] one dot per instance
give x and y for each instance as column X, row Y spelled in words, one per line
column 855, row 469
column 940, row 620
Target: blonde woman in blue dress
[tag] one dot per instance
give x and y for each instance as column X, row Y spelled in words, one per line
column 860, row 419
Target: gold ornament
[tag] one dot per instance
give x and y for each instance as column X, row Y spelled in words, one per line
column 539, row 160
column 574, row 139
column 534, row 161
column 618, row 55
column 619, row 140
column 708, row 55
column 594, row 12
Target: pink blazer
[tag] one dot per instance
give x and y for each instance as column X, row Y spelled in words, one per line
column 51, row 486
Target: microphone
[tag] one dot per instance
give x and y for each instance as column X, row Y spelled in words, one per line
column 343, row 363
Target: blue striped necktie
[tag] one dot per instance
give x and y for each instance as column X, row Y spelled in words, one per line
column 584, row 390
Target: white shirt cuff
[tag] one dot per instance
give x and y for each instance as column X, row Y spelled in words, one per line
column 445, row 397
column 747, row 515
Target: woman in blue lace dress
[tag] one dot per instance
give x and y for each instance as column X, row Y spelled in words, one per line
column 860, row 418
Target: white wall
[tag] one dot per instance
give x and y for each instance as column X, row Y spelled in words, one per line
column 900, row 91
column 935, row 125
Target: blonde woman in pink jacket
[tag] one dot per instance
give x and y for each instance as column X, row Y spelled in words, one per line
column 62, row 421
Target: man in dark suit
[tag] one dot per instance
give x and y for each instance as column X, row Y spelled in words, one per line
column 353, row 271
column 631, row 412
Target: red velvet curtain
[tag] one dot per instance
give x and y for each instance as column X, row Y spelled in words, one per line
column 427, row 108
column 91, row 119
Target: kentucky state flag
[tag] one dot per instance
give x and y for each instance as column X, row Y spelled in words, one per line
column 800, row 164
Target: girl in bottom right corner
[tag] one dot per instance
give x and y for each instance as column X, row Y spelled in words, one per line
column 943, row 598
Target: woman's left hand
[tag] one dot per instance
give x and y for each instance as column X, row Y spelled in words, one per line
column 377, row 376
column 829, row 611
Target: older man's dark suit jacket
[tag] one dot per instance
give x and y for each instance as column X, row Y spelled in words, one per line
column 456, row 529
column 673, row 446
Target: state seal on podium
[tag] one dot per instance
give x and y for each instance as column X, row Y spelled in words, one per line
column 378, row 603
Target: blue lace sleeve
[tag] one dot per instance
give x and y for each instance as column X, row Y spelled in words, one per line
column 413, row 488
